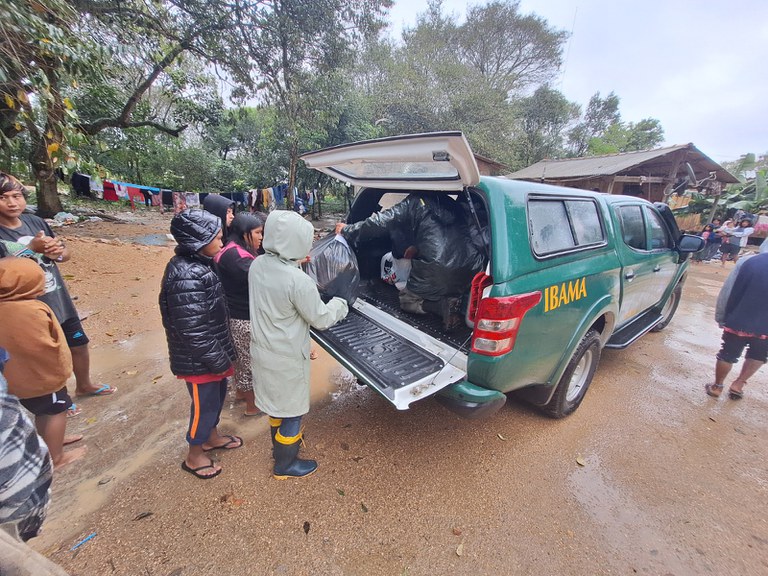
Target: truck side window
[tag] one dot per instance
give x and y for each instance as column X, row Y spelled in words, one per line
column 585, row 222
column 550, row 231
column 659, row 236
column 562, row 225
column 633, row 227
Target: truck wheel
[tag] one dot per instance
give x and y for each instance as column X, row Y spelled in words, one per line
column 669, row 309
column 576, row 378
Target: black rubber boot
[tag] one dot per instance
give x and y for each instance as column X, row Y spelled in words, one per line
column 450, row 310
column 287, row 462
column 273, row 431
column 274, row 426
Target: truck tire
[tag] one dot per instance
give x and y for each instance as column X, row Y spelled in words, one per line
column 577, row 377
column 669, row 308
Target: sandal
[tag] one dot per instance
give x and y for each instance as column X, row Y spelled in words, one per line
column 103, row 390
column 714, row 390
column 735, row 394
column 196, row 471
column 234, row 442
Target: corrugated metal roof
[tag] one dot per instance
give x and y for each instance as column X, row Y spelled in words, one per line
column 613, row 164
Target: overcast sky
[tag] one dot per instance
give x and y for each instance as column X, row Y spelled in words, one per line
column 700, row 67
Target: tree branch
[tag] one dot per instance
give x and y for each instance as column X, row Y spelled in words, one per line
column 122, row 120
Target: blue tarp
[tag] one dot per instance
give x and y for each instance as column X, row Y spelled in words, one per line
column 139, row 186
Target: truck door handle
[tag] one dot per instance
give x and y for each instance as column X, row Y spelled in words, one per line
column 629, row 275
column 657, row 268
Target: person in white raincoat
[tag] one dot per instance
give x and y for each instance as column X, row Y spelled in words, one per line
column 284, row 303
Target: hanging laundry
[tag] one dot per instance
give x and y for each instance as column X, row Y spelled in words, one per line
column 179, row 202
column 110, row 193
column 96, row 186
column 81, row 184
column 279, row 193
column 122, row 190
column 192, row 199
column 239, row 198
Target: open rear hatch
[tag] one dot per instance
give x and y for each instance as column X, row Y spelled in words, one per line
column 384, row 349
column 432, row 161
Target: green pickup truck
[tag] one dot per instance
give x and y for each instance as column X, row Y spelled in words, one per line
column 565, row 273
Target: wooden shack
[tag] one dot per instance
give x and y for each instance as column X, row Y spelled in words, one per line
column 650, row 174
column 488, row 167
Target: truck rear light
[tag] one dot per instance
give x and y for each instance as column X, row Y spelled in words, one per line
column 479, row 283
column 498, row 320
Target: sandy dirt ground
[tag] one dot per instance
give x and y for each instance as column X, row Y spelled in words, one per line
column 650, row 476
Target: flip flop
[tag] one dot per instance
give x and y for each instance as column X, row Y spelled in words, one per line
column 103, row 390
column 196, row 471
column 252, row 414
column 72, row 439
column 714, row 390
column 735, row 394
column 236, row 440
column 73, row 410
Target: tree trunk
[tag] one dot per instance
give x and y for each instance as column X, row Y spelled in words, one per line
column 48, row 201
column 292, row 167
column 40, row 155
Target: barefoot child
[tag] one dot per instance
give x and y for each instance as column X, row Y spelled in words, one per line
column 196, row 323
column 284, row 303
column 40, row 362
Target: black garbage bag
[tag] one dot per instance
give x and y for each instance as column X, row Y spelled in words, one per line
column 450, row 249
column 333, row 266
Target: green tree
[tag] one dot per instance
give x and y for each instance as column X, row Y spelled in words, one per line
column 627, row 137
column 47, row 52
column 542, row 119
column 751, row 193
column 510, row 50
column 448, row 76
column 296, row 49
column 600, row 114
column 39, row 54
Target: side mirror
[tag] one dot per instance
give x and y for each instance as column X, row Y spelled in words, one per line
column 688, row 244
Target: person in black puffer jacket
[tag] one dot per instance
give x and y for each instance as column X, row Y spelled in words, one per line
column 196, row 322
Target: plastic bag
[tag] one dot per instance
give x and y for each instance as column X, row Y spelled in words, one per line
column 395, row 271
column 333, row 266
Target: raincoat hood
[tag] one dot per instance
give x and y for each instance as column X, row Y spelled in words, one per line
column 287, row 235
column 20, row 279
column 193, row 230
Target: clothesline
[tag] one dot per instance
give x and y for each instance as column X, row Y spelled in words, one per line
column 256, row 199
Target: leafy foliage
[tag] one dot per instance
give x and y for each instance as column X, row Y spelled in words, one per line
column 137, row 88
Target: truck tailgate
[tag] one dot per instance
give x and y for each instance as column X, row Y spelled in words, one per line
column 396, row 359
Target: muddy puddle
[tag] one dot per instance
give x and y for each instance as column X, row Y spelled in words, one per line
column 152, row 240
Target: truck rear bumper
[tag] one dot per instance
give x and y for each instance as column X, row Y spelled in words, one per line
column 471, row 401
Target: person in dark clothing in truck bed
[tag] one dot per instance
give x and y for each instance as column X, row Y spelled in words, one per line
column 447, row 257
